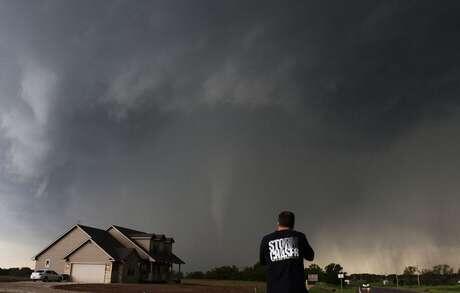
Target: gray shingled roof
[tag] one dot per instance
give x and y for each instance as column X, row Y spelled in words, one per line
column 170, row 257
column 109, row 244
column 115, row 249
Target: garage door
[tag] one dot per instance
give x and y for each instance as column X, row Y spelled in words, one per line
column 88, row 273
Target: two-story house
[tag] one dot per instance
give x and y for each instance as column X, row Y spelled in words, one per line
column 116, row 254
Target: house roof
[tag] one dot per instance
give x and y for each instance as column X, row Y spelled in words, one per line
column 139, row 234
column 133, row 234
column 105, row 241
column 117, row 254
column 114, row 249
column 130, row 232
column 123, row 253
column 169, row 258
column 126, row 232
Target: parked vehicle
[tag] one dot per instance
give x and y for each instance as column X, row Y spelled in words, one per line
column 45, row 276
column 365, row 287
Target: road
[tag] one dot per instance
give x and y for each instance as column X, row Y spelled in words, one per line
column 386, row 290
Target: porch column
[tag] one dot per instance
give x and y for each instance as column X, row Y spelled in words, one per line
column 151, row 272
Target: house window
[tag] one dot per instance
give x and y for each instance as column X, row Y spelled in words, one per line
column 47, row 263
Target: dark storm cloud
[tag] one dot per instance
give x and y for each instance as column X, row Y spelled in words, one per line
column 204, row 119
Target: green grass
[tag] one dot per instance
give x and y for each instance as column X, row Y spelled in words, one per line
column 435, row 289
column 261, row 288
column 327, row 288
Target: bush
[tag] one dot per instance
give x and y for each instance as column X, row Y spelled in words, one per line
column 252, row 273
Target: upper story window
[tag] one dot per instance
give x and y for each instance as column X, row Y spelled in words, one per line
column 47, row 263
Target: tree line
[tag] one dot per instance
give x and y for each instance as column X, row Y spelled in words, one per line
column 16, row 272
column 251, row 273
column 257, row 273
column 437, row 275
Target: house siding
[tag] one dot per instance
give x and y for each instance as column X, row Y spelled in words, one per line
column 91, row 253
column 60, row 249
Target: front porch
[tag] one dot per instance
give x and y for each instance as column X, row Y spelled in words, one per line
column 157, row 272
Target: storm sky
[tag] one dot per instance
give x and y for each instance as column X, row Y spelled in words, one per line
column 204, row 119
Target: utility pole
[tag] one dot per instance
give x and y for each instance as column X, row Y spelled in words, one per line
column 418, row 276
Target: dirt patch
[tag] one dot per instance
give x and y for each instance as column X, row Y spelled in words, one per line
column 28, row 287
column 153, row 288
column 12, row 279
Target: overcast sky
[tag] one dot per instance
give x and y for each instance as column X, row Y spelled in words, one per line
column 204, row 119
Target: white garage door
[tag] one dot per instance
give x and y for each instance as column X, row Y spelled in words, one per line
column 88, row 273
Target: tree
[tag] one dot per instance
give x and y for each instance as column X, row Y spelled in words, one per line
column 331, row 273
column 315, row 269
column 256, row 272
column 443, row 269
column 195, row 275
column 224, row 273
column 410, row 270
column 426, row 272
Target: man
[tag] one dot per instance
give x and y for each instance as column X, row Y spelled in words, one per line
column 283, row 252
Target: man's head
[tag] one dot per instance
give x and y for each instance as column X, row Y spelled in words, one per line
column 286, row 220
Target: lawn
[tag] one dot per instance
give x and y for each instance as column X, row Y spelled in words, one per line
column 436, row 289
column 257, row 287
column 260, row 286
column 326, row 288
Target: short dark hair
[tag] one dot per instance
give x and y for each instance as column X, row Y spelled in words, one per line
column 286, row 219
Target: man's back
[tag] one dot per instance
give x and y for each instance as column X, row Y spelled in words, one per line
column 283, row 253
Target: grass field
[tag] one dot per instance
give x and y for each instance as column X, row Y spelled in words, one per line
column 260, row 286
column 326, row 288
column 436, row 289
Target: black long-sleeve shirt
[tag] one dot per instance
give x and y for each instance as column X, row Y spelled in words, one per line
column 283, row 252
